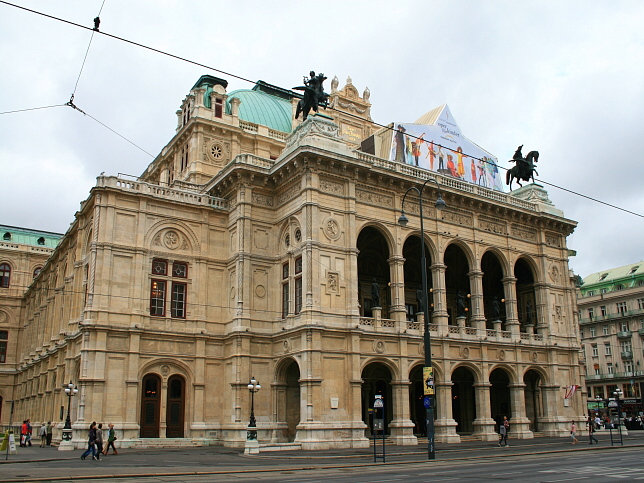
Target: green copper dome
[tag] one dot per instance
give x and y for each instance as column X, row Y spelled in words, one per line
column 259, row 107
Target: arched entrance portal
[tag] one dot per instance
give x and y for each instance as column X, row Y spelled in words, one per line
column 456, row 279
column 533, row 401
column 373, row 272
column 288, row 397
column 500, row 395
column 150, row 405
column 526, row 301
column 376, row 379
column 463, row 399
column 417, row 410
column 413, row 274
column 175, row 407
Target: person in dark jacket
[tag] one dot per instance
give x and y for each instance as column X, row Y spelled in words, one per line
column 91, row 443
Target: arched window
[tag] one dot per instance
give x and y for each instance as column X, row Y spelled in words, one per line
column 5, row 275
column 37, row 271
column 41, row 240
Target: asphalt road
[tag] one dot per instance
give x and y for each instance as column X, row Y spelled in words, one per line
column 538, row 460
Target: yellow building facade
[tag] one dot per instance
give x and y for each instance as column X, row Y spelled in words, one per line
column 256, row 245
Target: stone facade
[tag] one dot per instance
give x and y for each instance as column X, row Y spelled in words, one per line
column 168, row 293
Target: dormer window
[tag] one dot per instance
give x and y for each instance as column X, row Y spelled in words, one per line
column 603, row 276
column 633, row 270
column 6, row 236
column 41, row 240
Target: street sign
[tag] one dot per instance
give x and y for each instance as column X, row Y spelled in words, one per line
column 612, row 404
column 427, row 402
column 378, row 403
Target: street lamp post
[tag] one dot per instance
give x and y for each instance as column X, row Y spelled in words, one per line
column 66, row 443
column 253, row 387
column 618, row 394
column 440, row 204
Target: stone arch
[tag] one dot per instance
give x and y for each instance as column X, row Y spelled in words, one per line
column 156, row 365
column 429, row 244
column 384, row 231
column 501, row 257
column 494, row 272
column 417, row 411
column 469, row 254
column 374, row 268
column 287, row 398
column 509, row 369
column 464, row 377
column 500, row 378
column 170, row 235
column 412, row 275
column 534, row 379
column 534, row 267
column 526, row 276
column 539, row 370
column 472, row 367
column 287, row 238
column 377, row 375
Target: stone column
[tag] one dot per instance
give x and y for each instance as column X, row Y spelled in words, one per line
column 483, row 424
column 398, row 311
column 445, row 426
column 542, row 313
column 511, row 312
column 520, row 424
column 476, row 301
column 401, row 427
column 552, row 423
column 439, row 297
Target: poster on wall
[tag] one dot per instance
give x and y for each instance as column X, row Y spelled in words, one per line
column 441, row 147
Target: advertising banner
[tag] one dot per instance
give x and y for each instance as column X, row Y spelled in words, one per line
column 441, row 147
column 428, row 379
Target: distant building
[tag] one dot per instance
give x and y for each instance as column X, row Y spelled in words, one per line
column 611, row 321
column 257, row 245
column 23, row 254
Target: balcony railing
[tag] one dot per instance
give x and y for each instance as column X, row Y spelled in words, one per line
column 618, row 315
column 627, row 354
column 624, row 334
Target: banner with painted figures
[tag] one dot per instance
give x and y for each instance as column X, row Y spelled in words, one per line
column 441, row 147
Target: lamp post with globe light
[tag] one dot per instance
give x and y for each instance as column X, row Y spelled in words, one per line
column 252, row 445
column 429, row 386
column 66, row 444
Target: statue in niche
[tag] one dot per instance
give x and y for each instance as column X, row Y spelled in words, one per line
column 460, row 304
column 420, row 300
column 524, row 168
column 528, row 312
column 375, row 293
column 496, row 307
column 314, row 95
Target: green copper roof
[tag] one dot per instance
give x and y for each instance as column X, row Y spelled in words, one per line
column 261, row 108
column 625, row 276
column 26, row 236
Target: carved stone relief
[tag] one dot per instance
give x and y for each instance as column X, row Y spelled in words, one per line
column 331, row 228
column 332, row 187
column 371, row 197
column 493, row 226
column 524, row 232
column 458, row 217
column 378, row 346
column 332, row 282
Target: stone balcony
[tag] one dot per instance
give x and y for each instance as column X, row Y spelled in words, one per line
column 624, row 334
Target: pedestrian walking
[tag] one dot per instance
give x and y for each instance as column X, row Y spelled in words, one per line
column 591, row 431
column 504, row 428
column 573, row 432
column 111, row 437
column 43, row 435
column 50, row 431
column 29, row 432
column 99, row 441
column 23, row 434
column 91, row 442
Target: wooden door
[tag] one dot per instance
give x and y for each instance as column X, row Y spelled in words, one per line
column 150, row 404
column 175, row 407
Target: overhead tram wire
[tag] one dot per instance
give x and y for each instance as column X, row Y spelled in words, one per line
column 33, row 108
column 94, row 30
column 332, row 108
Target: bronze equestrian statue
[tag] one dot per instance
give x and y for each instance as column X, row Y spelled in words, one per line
column 524, row 169
column 314, row 95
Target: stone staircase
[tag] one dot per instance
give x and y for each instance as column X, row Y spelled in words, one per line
column 279, row 447
column 160, row 443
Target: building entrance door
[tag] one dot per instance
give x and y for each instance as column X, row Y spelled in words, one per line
column 175, row 407
column 150, row 402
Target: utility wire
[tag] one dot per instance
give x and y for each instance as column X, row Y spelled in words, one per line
column 332, row 108
column 32, row 109
column 94, row 30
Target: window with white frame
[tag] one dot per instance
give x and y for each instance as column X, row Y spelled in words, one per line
column 621, row 308
column 607, row 350
column 595, row 351
column 592, row 332
column 591, row 313
column 605, row 330
column 610, row 369
column 627, row 346
column 603, row 310
column 628, row 366
column 624, row 326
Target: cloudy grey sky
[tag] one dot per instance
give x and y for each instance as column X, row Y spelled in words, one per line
column 564, row 78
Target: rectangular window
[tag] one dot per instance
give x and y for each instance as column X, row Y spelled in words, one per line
column 159, row 267
column 180, row 270
column 592, row 331
column 218, row 108
column 591, row 313
column 4, row 336
column 624, row 326
column 157, row 298
column 621, row 308
column 640, row 304
column 605, row 330
column 597, row 371
column 178, row 302
column 603, row 310
column 285, row 290
column 298, row 285
column 610, row 368
column 628, row 367
column 595, row 352
column 627, row 346
column 607, row 350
